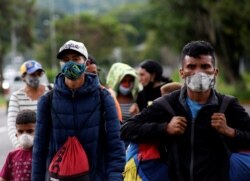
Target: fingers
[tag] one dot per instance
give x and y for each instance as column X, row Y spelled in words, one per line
column 177, row 125
column 218, row 122
column 218, row 119
column 134, row 109
column 218, row 116
column 182, row 121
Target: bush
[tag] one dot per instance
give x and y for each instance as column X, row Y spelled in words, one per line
column 2, row 100
column 51, row 74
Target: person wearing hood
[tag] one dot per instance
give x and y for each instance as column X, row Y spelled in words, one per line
column 76, row 109
column 123, row 80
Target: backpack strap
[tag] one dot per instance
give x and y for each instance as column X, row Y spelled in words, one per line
column 165, row 104
column 163, row 101
column 226, row 99
column 50, row 96
column 101, row 98
column 103, row 120
column 50, row 86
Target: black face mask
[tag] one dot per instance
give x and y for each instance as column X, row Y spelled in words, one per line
column 149, row 86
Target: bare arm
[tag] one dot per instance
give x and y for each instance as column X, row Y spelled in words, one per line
column 134, row 109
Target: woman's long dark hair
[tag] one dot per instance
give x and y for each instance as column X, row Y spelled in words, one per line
column 153, row 67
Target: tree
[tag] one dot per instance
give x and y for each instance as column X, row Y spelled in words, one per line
column 224, row 23
column 99, row 34
column 16, row 18
column 131, row 20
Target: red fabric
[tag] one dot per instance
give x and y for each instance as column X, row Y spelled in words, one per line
column 17, row 165
column 148, row 151
column 244, row 151
column 70, row 160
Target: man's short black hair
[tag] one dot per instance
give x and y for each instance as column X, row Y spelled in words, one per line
column 91, row 60
column 196, row 49
column 26, row 116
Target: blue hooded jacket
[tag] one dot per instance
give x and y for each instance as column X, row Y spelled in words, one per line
column 78, row 113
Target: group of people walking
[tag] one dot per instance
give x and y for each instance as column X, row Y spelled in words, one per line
column 139, row 125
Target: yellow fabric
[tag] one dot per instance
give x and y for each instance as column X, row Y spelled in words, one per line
column 23, row 68
column 130, row 171
column 117, row 72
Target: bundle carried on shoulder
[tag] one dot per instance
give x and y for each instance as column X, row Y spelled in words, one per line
column 144, row 163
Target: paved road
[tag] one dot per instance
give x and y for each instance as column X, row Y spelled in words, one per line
column 5, row 145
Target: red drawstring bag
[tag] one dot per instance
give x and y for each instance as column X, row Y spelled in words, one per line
column 70, row 161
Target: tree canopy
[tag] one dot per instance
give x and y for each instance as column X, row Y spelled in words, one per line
column 16, row 21
column 224, row 23
column 130, row 33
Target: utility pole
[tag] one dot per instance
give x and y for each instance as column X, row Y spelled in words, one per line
column 52, row 34
column 13, row 41
column 77, row 16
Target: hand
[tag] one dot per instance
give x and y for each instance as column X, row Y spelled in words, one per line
column 134, row 109
column 176, row 126
column 219, row 122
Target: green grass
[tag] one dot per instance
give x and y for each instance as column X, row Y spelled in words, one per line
column 2, row 100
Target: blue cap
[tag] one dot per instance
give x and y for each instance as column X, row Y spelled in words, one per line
column 30, row 67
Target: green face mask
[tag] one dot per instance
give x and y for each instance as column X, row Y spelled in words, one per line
column 73, row 70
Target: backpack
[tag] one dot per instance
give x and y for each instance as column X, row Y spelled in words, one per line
column 135, row 168
column 239, row 162
column 71, row 161
column 143, row 161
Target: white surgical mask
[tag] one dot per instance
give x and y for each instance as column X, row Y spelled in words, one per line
column 124, row 90
column 61, row 64
column 26, row 140
column 200, row 82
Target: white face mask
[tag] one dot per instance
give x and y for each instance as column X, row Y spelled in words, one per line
column 124, row 90
column 200, row 82
column 61, row 64
column 26, row 140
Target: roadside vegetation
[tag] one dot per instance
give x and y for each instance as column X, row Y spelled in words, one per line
column 130, row 32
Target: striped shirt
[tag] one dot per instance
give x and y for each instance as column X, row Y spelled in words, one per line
column 125, row 111
column 18, row 102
